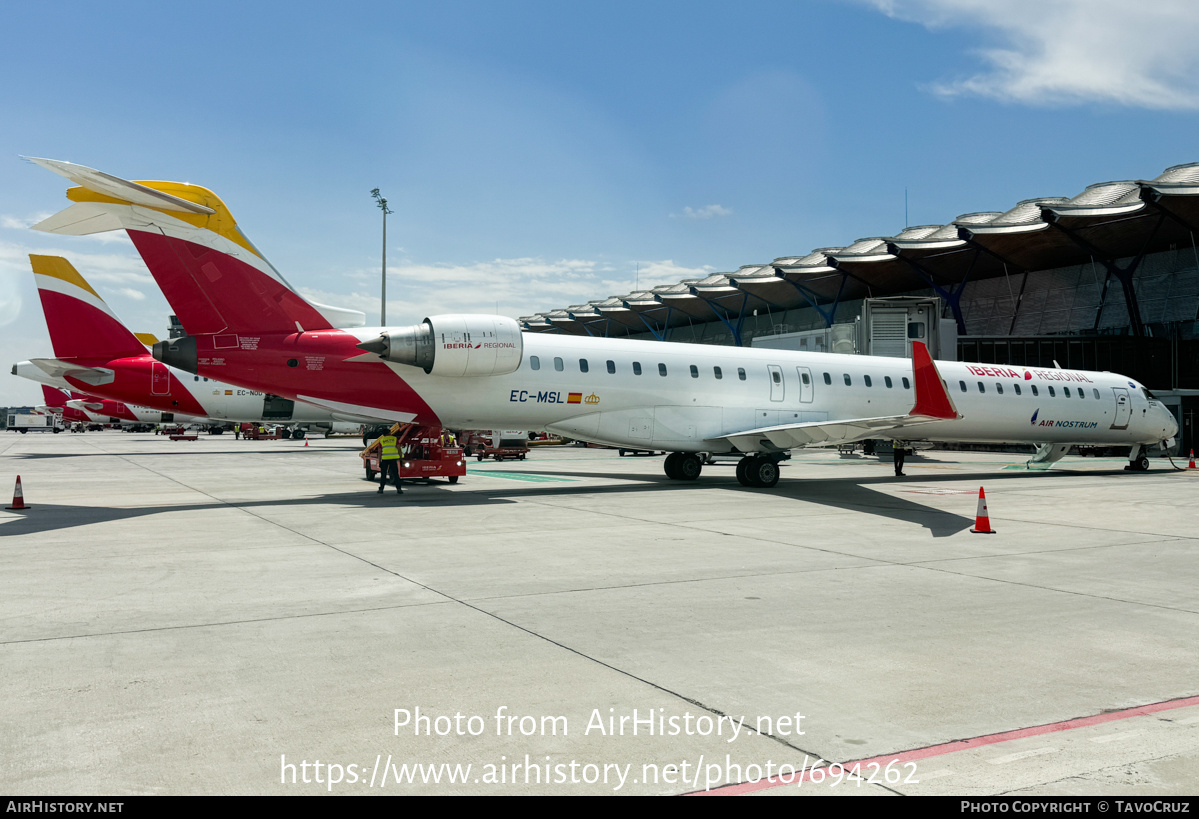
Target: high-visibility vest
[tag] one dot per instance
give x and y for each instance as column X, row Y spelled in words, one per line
column 389, row 449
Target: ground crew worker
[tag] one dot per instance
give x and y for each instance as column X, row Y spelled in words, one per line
column 389, row 461
column 900, row 451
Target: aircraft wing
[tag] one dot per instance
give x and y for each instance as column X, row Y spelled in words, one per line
column 821, row 433
column 933, row 403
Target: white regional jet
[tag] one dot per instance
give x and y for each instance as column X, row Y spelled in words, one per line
column 248, row 326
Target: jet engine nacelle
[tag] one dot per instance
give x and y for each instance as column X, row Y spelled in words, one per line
column 454, row 345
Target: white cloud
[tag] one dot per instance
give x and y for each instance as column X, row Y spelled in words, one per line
column 706, row 212
column 1055, row 52
column 511, row 287
column 652, row 274
column 105, row 268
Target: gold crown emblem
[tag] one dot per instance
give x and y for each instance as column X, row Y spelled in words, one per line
column 591, row 399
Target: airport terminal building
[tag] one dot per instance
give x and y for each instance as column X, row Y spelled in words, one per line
column 1104, row 280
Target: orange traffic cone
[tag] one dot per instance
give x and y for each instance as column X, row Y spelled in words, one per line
column 982, row 521
column 1191, row 465
column 18, row 497
column 305, row 442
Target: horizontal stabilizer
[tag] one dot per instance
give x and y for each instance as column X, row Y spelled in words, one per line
column 109, row 185
column 96, row 376
column 214, row 278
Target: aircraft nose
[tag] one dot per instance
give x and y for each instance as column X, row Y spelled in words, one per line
column 1170, row 423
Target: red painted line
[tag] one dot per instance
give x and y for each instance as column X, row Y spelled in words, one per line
column 960, row 745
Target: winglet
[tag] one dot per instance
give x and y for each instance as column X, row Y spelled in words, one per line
column 932, row 399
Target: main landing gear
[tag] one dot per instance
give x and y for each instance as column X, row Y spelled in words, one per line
column 758, row 471
column 683, row 466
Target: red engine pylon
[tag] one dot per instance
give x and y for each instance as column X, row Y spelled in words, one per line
column 18, row 497
column 982, row 521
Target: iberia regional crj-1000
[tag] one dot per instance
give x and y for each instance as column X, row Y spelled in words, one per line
column 248, row 326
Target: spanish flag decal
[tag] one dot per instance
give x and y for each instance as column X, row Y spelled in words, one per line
column 574, row 398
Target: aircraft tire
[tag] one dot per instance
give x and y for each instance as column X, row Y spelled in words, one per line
column 297, row 434
column 370, row 474
column 1142, row 463
column 743, row 471
column 453, row 479
column 688, row 466
column 671, row 465
column 764, row 472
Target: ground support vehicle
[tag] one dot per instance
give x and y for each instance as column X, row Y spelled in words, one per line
column 23, row 422
column 512, row 445
column 261, row 433
column 422, row 455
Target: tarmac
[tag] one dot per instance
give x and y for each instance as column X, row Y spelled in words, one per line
column 241, row 617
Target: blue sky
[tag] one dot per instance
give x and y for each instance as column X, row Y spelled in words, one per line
column 536, row 154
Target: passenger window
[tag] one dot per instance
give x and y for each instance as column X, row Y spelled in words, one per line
column 1034, row 390
column 197, row 378
column 534, row 363
column 1066, row 391
column 828, row 379
column 887, row 381
column 1096, row 395
column 867, row 379
column 848, row 380
column 716, row 371
column 777, row 376
column 981, row 388
column 962, row 384
column 1082, row 393
column 1016, row 387
column 694, row 371
column 741, row 373
column 636, row 368
column 998, row 388
column 662, row 370
column 583, row 365
column 611, row 367
column 558, row 364
column 1052, row 394
column 806, row 379
column 907, row 385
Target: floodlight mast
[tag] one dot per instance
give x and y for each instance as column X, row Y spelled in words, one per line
column 382, row 203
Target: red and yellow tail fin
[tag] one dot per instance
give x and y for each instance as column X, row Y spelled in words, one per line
column 82, row 327
column 214, row 278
